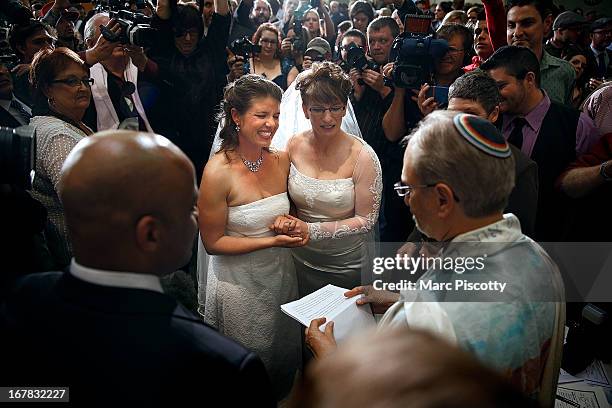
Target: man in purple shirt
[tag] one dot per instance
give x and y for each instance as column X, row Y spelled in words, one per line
column 551, row 134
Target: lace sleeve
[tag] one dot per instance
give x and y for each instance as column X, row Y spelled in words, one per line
column 367, row 178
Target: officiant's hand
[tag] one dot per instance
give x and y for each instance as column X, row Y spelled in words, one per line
column 320, row 343
column 380, row 300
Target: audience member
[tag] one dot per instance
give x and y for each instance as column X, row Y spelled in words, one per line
column 61, row 82
column 567, row 30
column 473, row 13
column 110, row 333
column 248, row 17
column 317, row 50
column 13, row 113
column 455, row 17
column 361, row 14
column 404, row 368
column 403, row 7
column 598, row 106
column 581, row 62
column 601, row 37
column 550, row 133
column 26, row 40
column 355, row 37
column 476, row 93
column 116, row 100
column 371, row 99
column 66, row 33
column 440, row 12
column 194, row 73
column 588, row 181
column 528, row 22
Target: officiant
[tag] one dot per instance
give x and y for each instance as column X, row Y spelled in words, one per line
column 458, row 173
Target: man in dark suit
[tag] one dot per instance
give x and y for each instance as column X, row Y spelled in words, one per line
column 12, row 112
column 477, row 93
column 601, row 36
column 549, row 133
column 105, row 328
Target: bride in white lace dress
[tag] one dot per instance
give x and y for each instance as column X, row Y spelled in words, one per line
column 251, row 272
column 335, row 182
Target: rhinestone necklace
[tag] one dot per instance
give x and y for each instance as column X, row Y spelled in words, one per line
column 253, row 166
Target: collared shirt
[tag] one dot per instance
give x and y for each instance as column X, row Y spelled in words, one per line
column 596, row 54
column 586, row 132
column 557, row 78
column 6, row 105
column 597, row 106
column 116, row 279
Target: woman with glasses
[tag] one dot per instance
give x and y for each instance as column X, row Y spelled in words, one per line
column 267, row 62
column 335, row 183
column 62, row 89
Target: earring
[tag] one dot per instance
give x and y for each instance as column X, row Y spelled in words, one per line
column 237, row 129
column 51, row 101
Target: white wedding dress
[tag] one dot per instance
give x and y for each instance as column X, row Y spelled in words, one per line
column 244, row 293
column 341, row 215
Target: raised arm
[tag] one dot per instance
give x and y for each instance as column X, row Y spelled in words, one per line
column 367, row 179
column 496, row 22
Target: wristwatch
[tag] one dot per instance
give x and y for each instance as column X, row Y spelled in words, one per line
column 602, row 171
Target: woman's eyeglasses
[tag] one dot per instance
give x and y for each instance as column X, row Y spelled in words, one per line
column 334, row 110
column 74, row 82
column 268, row 42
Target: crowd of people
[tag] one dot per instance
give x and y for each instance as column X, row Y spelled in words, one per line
column 285, row 133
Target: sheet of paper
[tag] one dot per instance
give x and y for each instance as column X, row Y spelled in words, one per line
column 582, row 394
column 595, row 374
column 329, row 302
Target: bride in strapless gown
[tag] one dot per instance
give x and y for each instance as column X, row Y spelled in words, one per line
column 244, row 292
column 250, row 271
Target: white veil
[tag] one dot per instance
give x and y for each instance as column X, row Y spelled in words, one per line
column 291, row 122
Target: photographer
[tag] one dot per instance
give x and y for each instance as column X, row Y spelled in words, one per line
column 248, row 17
column 351, row 36
column 409, row 106
column 317, row 50
column 371, row 99
column 194, row 71
column 266, row 62
column 117, row 103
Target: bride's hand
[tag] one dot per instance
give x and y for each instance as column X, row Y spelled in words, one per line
column 289, row 225
column 289, row 242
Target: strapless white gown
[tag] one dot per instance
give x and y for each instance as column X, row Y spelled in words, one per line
column 244, row 293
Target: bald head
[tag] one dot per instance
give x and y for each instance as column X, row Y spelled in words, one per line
column 403, row 368
column 125, row 194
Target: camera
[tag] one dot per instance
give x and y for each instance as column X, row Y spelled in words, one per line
column 298, row 42
column 356, row 58
column 135, row 27
column 245, row 48
column 414, row 52
column 17, row 155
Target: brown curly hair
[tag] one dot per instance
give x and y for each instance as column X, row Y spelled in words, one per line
column 239, row 95
column 324, row 83
column 272, row 28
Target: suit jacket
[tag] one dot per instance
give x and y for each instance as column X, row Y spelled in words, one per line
column 112, row 345
column 523, row 200
column 6, row 119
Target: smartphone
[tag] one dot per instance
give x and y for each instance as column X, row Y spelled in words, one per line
column 439, row 93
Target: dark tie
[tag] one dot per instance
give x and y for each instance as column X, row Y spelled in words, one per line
column 22, row 112
column 516, row 137
column 601, row 64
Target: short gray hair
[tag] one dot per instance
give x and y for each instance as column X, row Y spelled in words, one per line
column 440, row 154
column 90, row 26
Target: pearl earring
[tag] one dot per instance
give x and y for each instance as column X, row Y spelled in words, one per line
column 237, row 129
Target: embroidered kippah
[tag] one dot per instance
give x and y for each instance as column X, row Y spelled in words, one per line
column 482, row 134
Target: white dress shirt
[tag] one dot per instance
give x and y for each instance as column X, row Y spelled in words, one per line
column 117, row 279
